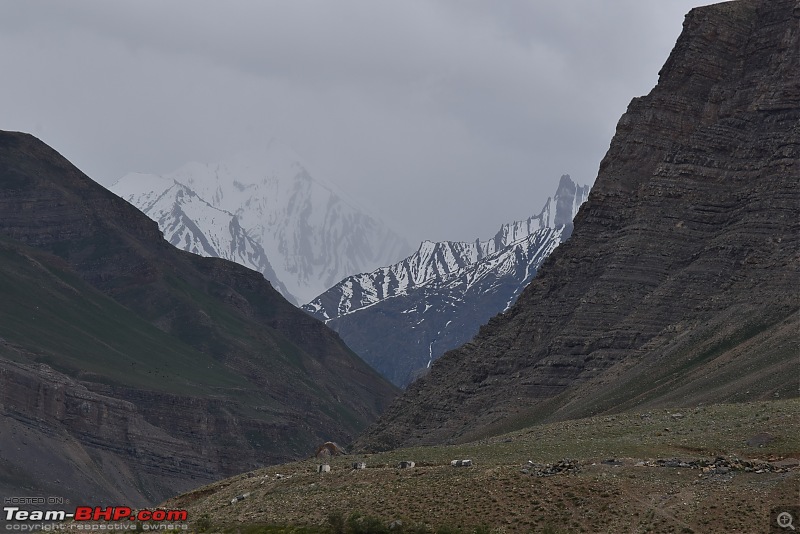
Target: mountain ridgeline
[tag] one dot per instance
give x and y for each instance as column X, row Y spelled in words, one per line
column 192, row 224
column 266, row 211
column 403, row 317
column 679, row 284
column 131, row 370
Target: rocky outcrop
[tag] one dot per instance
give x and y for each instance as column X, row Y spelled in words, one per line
column 155, row 369
column 60, row 437
column 679, row 283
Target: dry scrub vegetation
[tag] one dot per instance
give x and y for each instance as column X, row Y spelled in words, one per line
column 619, row 484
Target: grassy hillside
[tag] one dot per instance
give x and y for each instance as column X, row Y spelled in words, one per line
column 616, row 482
column 67, row 324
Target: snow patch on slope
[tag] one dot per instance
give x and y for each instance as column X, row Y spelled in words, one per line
column 437, row 262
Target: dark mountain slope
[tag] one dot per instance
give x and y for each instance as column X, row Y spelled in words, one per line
column 679, row 283
column 173, row 368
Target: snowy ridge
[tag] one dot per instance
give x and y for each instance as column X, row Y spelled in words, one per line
column 192, row 224
column 402, row 317
column 430, row 262
column 527, row 253
column 312, row 236
column 517, row 230
column 438, row 262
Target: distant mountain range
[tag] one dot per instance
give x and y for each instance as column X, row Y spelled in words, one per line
column 402, row 317
column 265, row 211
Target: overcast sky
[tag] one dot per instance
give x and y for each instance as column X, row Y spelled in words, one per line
column 445, row 118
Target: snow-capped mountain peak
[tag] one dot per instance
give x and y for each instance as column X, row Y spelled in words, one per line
column 401, row 317
column 311, row 235
column 192, row 224
column 437, row 261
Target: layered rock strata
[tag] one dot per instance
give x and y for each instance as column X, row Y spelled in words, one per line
column 679, row 283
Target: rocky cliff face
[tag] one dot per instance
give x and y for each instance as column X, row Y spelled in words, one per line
column 679, row 283
column 401, row 318
column 131, row 369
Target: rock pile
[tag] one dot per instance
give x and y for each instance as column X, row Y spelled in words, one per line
column 565, row 466
column 718, row 465
column 241, row 497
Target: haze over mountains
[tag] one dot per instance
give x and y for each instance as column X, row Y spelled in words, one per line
column 192, row 224
column 402, row 317
column 440, row 295
column 300, row 234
